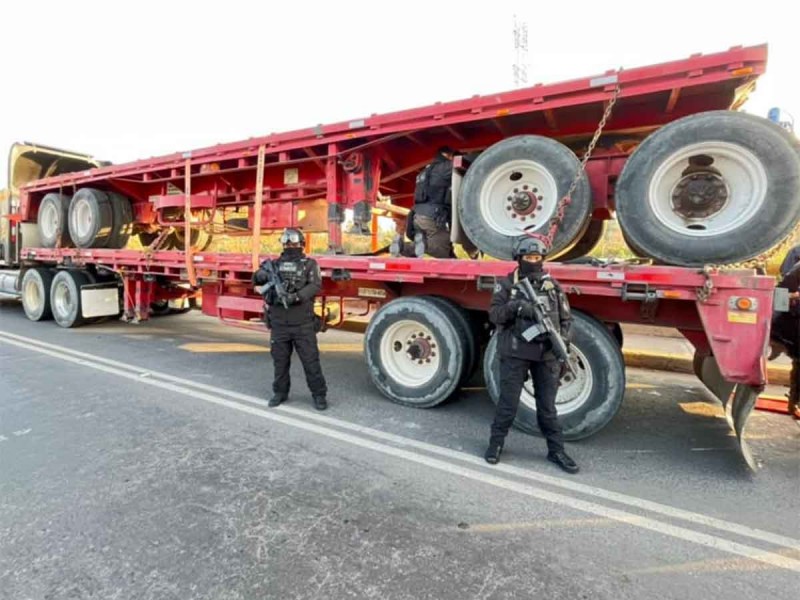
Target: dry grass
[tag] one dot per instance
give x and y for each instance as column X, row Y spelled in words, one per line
column 611, row 246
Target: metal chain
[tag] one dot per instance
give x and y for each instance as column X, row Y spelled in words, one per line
column 561, row 209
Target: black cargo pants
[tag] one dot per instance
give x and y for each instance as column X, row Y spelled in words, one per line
column 545, row 374
column 303, row 338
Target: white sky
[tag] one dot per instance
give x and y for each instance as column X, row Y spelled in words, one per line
column 130, row 79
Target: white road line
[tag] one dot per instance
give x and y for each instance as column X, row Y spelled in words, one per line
column 529, row 474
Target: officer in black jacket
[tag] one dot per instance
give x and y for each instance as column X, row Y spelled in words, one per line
column 290, row 317
column 430, row 217
column 513, row 314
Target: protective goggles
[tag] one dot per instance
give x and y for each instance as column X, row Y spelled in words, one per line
column 290, row 237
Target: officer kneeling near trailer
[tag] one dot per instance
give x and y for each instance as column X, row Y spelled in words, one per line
column 290, row 284
column 533, row 318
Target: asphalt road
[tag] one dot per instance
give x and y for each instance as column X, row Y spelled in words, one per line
column 142, row 462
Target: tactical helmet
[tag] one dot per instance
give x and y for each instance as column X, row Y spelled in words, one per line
column 291, row 235
column 529, row 245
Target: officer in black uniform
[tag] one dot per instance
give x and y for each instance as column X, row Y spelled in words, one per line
column 513, row 314
column 429, row 225
column 290, row 316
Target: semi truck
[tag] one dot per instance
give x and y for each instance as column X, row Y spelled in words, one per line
column 702, row 192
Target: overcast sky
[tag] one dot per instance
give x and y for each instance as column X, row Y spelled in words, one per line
column 131, row 79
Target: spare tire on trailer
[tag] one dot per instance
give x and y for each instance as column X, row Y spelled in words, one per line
column 52, row 221
column 415, row 352
column 91, row 218
column 587, row 401
column 35, row 292
column 122, row 216
column 696, row 185
column 513, row 189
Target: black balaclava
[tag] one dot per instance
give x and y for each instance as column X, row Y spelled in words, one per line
column 292, row 253
column 532, row 270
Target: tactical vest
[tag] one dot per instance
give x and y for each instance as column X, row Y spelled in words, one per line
column 293, row 273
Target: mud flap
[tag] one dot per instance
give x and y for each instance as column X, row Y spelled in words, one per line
column 744, row 399
column 457, row 233
column 737, row 402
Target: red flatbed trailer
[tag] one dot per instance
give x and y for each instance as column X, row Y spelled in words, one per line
column 430, row 330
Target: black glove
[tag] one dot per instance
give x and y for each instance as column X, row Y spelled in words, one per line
column 260, row 277
column 514, row 306
column 526, row 311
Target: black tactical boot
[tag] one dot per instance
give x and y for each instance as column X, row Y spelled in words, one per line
column 563, row 460
column 276, row 400
column 320, row 403
column 493, row 453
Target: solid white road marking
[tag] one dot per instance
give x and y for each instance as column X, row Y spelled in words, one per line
column 278, row 415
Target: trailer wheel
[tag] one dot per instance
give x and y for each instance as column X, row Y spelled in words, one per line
column 415, row 352
column 588, row 241
column 585, row 402
column 460, row 318
column 65, row 297
column 52, row 221
column 91, row 218
column 513, row 189
column 122, row 213
column 704, row 180
column 35, row 290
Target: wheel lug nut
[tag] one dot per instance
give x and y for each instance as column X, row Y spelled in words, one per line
column 513, row 215
column 516, row 190
column 524, row 187
column 427, row 360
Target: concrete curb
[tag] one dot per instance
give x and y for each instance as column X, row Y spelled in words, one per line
column 682, row 363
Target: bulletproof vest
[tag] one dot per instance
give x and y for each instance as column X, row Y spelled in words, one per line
column 293, row 274
column 433, row 183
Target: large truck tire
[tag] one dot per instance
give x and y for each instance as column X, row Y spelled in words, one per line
column 586, row 402
column 460, row 317
column 91, row 218
column 415, row 352
column 588, row 241
column 513, row 189
column 122, row 217
column 65, row 297
column 716, row 187
column 52, row 220
column 35, row 288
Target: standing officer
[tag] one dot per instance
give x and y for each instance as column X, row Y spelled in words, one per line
column 290, row 284
column 429, row 221
column 513, row 313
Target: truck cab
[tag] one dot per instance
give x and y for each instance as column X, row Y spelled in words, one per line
column 29, row 162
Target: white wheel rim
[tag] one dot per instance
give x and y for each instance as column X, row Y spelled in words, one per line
column 410, row 353
column 745, row 187
column 48, row 220
column 32, row 295
column 62, row 299
column 81, row 219
column 574, row 390
column 502, row 204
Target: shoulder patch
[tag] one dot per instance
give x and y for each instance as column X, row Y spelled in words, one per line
column 497, row 288
column 548, row 285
